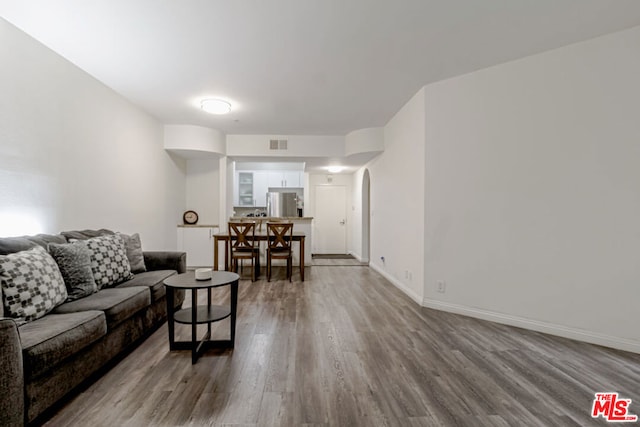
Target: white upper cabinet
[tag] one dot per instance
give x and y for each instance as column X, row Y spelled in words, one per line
column 250, row 187
column 293, row 179
column 260, row 188
column 276, row 180
column 285, row 179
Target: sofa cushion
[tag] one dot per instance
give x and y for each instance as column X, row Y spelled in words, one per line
column 48, row 341
column 45, row 239
column 133, row 246
column 153, row 280
column 74, row 261
column 10, row 245
column 31, row 284
column 109, row 261
column 118, row 304
column 85, row 234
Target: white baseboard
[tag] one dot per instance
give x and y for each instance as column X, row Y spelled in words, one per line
column 410, row 293
column 547, row 328
column 520, row 322
column 358, row 257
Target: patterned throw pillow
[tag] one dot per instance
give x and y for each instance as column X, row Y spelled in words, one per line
column 31, row 284
column 74, row 261
column 109, row 262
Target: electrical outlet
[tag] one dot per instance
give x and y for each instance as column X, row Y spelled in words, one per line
column 442, row 286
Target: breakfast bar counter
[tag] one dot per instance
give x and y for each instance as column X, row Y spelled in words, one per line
column 262, row 236
column 300, row 224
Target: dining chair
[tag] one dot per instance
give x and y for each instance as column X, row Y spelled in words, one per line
column 279, row 239
column 243, row 245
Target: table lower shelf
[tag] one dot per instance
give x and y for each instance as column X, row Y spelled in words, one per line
column 200, row 346
column 204, row 314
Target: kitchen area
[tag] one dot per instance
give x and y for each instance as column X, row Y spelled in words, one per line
column 268, row 193
column 272, row 191
column 262, row 191
column 309, row 179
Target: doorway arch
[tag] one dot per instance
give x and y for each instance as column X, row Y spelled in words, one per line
column 366, row 216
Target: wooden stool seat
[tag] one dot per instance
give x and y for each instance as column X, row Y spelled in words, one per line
column 279, row 239
column 243, row 246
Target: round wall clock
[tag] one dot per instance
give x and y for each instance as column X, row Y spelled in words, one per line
column 190, row 217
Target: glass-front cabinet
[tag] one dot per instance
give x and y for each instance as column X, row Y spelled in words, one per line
column 251, row 189
column 245, row 189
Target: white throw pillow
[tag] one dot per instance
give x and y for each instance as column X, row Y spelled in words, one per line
column 109, row 262
column 31, row 284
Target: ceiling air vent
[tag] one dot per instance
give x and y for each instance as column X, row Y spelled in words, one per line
column 277, row 144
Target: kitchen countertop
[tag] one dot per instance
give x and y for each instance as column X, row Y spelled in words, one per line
column 269, row 218
column 197, row 225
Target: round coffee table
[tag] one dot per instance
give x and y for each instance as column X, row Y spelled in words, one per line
column 201, row 314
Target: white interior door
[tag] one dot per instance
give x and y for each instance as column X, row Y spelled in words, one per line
column 330, row 235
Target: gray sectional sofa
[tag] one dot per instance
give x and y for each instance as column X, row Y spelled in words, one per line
column 46, row 359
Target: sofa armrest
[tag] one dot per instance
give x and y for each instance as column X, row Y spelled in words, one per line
column 165, row 260
column 12, row 411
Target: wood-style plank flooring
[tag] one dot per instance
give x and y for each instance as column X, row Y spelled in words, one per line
column 319, row 261
column 346, row 348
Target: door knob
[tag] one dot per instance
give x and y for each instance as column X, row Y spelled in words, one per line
column 343, row 222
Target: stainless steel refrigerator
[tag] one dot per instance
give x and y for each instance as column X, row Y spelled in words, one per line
column 282, row 204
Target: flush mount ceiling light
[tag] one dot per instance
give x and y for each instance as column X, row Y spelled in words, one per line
column 335, row 169
column 215, row 106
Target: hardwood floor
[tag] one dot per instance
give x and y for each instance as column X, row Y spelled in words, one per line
column 346, row 348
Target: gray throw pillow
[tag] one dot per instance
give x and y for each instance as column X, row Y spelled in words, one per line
column 133, row 245
column 31, row 284
column 74, row 261
column 109, row 262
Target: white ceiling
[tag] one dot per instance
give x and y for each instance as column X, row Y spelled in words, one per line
column 308, row 67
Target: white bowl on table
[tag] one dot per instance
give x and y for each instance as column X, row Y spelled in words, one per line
column 203, row 274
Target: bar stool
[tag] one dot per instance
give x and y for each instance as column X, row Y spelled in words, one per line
column 243, row 246
column 279, row 238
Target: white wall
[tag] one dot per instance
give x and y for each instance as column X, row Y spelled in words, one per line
column 230, row 172
column 297, row 146
column 194, row 141
column 74, row 154
column 203, row 189
column 356, row 220
column 359, row 242
column 397, row 200
column 532, row 197
column 364, row 141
